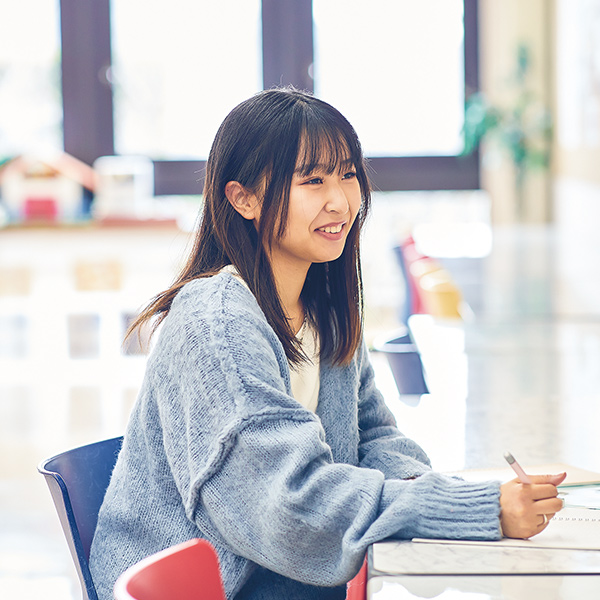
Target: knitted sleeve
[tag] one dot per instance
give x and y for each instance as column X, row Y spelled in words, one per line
column 382, row 446
column 254, row 470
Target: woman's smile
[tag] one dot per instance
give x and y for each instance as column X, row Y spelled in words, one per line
column 333, row 231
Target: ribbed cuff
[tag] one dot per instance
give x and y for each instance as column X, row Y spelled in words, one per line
column 445, row 507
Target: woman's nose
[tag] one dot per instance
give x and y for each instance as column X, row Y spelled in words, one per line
column 336, row 200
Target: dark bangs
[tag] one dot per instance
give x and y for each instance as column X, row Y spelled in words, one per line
column 325, row 150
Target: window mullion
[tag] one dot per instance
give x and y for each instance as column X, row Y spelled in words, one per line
column 287, row 32
column 87, row 94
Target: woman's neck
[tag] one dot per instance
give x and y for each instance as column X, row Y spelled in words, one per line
column 289, row 284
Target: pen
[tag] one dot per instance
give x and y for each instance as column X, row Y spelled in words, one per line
column 512, row 461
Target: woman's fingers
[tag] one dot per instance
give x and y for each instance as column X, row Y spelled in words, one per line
column 545, row 511
column 526, row 509
column 555, row 479
column 548, row 507
column 539, row 492
column 544, row 522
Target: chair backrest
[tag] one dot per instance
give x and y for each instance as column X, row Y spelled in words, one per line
column 78, row 480
column 356, row 589
column 187, row 571
column 405, row 361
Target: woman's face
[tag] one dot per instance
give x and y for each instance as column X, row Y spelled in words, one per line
column 322, row 209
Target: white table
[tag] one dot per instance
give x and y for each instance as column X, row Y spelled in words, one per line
column 406, row 570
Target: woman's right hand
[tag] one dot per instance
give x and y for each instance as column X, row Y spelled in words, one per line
column 523, row 505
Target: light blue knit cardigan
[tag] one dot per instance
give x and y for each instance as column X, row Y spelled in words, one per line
column 217, row 448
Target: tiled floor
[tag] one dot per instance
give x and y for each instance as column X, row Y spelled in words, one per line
column 522, row 374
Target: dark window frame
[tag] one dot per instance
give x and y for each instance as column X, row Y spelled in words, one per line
column 287, row 57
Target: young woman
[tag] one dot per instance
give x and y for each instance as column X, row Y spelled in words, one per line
column 258, row 425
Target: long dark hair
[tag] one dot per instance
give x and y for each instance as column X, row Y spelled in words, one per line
column 260, row 144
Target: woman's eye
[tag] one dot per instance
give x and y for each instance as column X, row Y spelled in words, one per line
column 349, row 175
column 314, row 181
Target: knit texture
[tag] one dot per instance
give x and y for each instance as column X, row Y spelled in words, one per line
column 216, row 447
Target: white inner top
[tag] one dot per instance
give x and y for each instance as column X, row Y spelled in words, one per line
column 304, row 377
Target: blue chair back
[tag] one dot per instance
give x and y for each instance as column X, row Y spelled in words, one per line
column 405, row 362
column 78, row 480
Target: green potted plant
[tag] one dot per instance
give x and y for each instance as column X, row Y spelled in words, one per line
column 522, row 130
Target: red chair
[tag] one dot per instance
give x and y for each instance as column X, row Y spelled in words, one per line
column 356, row 588
column 190, row 571
column 408, row 255
column 183, row 572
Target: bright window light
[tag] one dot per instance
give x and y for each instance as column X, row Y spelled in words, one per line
column 395, row 69
column 178, row 68
column 30, row 85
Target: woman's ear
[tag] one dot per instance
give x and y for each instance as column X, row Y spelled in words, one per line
column 242, row 200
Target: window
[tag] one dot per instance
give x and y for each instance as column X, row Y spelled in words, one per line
column 207, row 56
column 400, row 70
column 175, row 76
column 30, row 95
column 402, row 86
